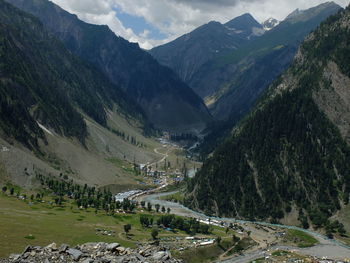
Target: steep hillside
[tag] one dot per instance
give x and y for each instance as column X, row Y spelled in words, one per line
column 60, row 116
column 292, row 153
column 230, row 65
column 188, row 53
column 167, row 101
column 41, row 81
column 240, row 77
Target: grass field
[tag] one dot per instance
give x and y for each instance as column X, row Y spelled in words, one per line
column 213, row 252
column 177, row 197
column 40, row 224
column 300, row 238
column 201, row 255
column 24, row 224
column 281, row 256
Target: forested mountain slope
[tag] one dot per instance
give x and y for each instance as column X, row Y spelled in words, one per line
column 247, row 72
column 292, row 153
column 167, row 101
column 41, row 81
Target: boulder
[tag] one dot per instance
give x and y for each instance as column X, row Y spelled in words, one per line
column 63, row 248
column 51, row 247
column 121, row 250
column 27, row 249
column 112, row 247
column 74, row 253
column 161, row 255
column 15, row 256
column 92, row 253
column 88, row 260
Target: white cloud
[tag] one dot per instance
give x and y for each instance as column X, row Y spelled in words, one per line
column 176, row 17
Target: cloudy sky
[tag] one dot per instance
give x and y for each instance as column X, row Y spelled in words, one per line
column 154, row 22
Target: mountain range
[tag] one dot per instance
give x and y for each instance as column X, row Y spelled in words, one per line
column 42, row 82
column 290, row 157
column 229, row 65
column 61, row 115
column 76, row 99
column 166, row 100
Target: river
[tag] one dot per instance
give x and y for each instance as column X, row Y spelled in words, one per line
column 331, row 249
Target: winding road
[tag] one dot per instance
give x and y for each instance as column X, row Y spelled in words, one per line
column 331, row 249
column 165, row 155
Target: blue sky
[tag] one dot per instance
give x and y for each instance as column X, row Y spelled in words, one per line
column 155, row 22
column 139, row 25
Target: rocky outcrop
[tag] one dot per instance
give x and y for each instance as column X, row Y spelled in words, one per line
column 92, row 253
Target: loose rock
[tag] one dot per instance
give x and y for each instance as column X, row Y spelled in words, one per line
column 92, row 253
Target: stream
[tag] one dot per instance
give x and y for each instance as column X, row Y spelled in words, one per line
column 326, row 248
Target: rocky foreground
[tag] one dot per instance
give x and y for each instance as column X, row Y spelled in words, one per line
column 92, row 253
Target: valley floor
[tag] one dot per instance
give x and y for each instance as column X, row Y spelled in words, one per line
column 269, row 238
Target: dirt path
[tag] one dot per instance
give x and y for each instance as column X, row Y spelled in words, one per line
column 164, row 155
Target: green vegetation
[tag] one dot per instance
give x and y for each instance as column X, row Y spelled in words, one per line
column 250, row 69
column 37, row 223
column 127, row 138
column 240, row 245
column 300, row 238
column 280, row 253
column 174, row 223
column 274, row 138
column 177, row 197
column 287, row 152
column 282, row 256
column 154, row 233
column 129, row 66
column 126, row 166
column 39, row 219
column 42, row 81
column 223, row 245
column 200, row 255
column 258, row 260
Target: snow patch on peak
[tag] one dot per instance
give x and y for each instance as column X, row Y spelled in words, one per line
column 270, row 24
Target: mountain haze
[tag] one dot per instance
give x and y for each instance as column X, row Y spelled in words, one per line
column 291, row 155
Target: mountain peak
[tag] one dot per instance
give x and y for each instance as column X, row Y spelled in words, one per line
column 302, row 15
column 295, row 13
column 244, row 22
column 270, row 23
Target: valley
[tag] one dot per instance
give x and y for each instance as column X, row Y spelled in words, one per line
column 266, row 235
column 229, row 143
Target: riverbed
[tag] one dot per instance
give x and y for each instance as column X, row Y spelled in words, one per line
column 327, row 248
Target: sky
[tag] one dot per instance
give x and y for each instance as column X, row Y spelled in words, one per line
column 155, row 22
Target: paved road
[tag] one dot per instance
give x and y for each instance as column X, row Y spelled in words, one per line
column 326, row 247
